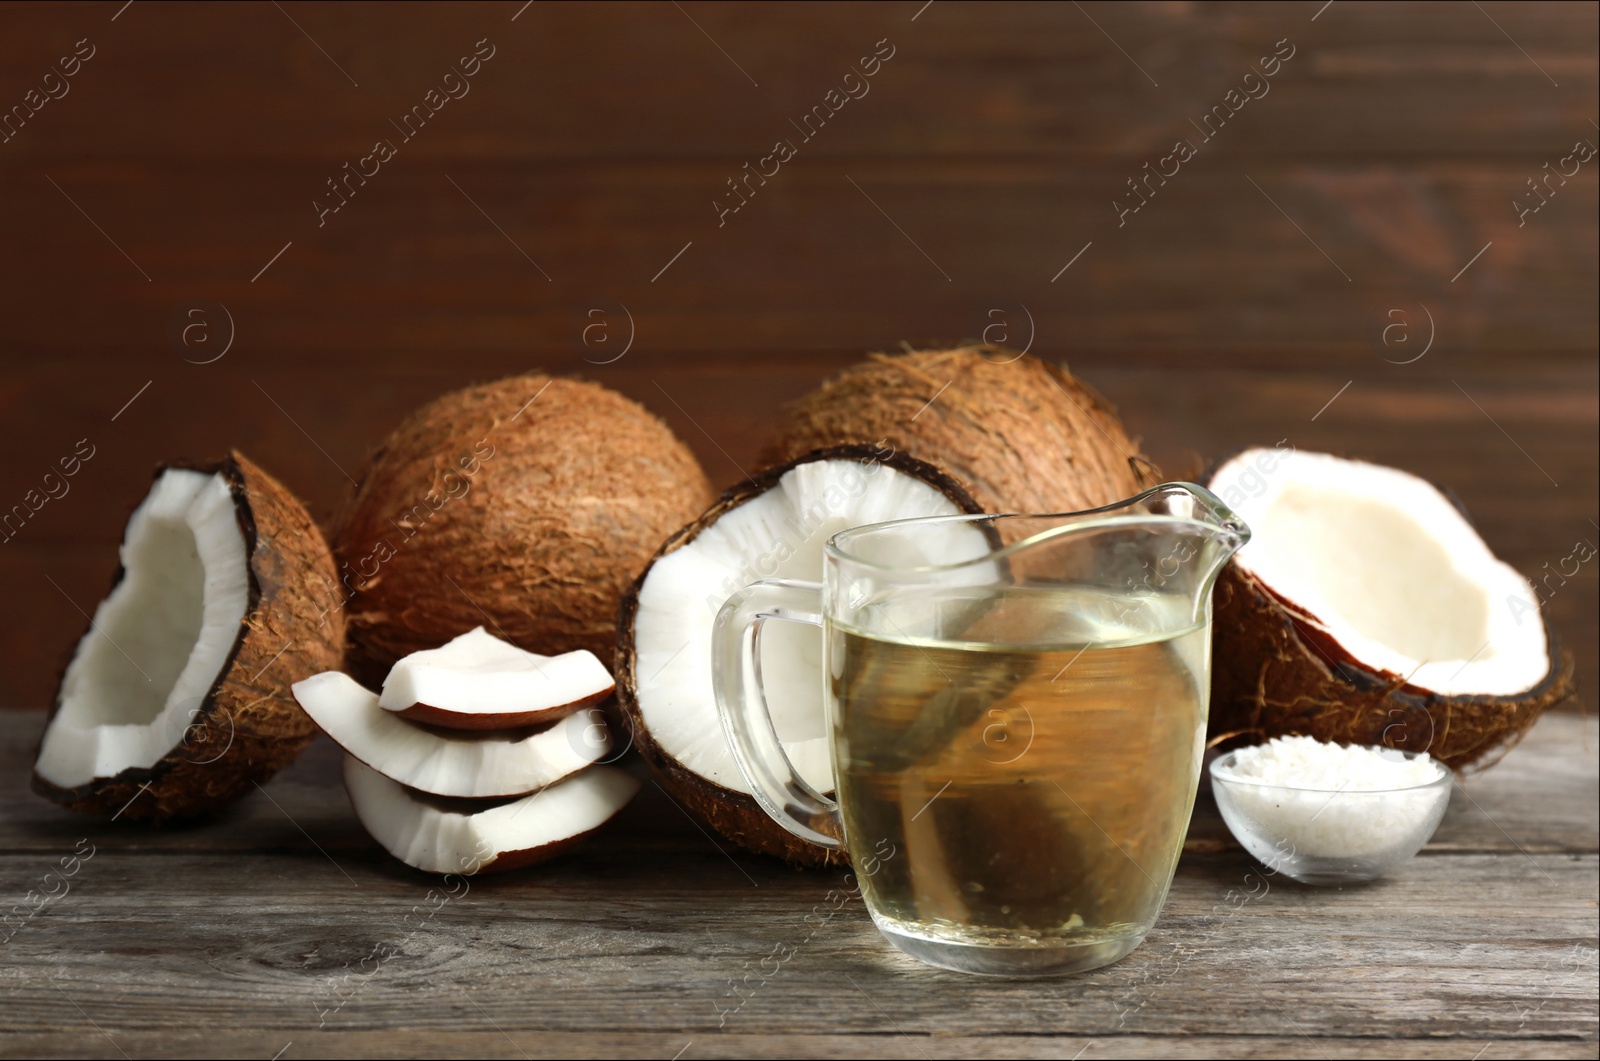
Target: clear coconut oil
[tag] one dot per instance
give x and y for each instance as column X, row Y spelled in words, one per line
column 1027, row 760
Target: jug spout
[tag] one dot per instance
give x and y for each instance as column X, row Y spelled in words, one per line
column 1217, row 532
column 1189, row 538
column 1161, row 551
column 1142, row 566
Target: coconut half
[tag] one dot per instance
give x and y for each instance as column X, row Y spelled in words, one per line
column 177, row 698
column 1018, row 433
column 440, row 835
column 477, row 681
column 1367, row 610
column 772, row 526
column 478, row 764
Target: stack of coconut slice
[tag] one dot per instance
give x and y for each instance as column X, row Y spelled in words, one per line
column 477, row 756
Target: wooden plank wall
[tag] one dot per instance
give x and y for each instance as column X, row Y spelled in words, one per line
column 580, row 171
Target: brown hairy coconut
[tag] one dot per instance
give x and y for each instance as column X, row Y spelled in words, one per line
column 177, row 701
column 771, row 526
column 1020, row 434
column 1366, row 610
column 525, row 505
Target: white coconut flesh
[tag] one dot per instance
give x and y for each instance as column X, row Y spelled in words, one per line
column 474, row 677
column 1389, row 569
column 463, row 763
column 441, row 836
column 777, row 534
column 159, row 640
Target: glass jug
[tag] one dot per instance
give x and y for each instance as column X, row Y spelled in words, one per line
column 1017, row 706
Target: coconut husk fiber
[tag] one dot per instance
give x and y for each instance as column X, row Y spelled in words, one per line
column 525, row 506
column 1018, row 433
column 1274, row 674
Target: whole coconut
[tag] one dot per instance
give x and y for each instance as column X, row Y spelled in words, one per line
column 1020, row 434
column 526, row 505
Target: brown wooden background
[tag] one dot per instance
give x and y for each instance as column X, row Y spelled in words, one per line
column 189, row 150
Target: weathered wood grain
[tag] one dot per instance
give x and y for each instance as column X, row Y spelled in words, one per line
column 1465, row 946
column 255, row 920
column 475, row 1043
column 1210, row 268
column 633, row 80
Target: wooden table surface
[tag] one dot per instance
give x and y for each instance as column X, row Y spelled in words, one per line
column 1352, row 263
column 245, row 938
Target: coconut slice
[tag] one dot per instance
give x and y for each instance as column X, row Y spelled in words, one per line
column 479, row 764
column 440, row 835
column 478, row 681
column 1367, row 610
column 177, row 698
column 772, row 526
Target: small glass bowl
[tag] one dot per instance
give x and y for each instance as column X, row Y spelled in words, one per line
column 1329, row 836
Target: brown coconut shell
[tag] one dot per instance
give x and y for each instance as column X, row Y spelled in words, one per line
column 249, row 726
column 1275, row 673
column 1020, row 434
column 511, row 861
column 737, row 816
column 525, row 506
column 470, row 721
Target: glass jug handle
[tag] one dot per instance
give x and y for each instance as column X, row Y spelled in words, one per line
column 742, row 705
